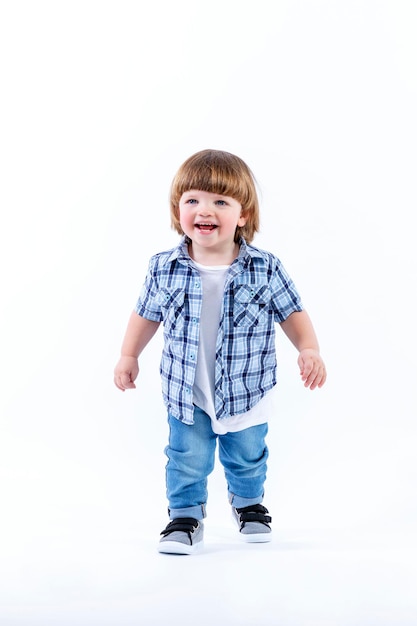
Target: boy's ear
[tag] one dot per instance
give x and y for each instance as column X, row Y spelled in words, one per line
column 242, row 220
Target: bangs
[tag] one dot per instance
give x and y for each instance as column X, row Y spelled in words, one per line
column 216, row 172
column 222, row 180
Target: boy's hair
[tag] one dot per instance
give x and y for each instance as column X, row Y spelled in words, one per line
column 219, row 172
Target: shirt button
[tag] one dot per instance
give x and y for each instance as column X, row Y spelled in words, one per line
column 192, row 357
column 187, row 390
column 197, row 283
column 194, row 320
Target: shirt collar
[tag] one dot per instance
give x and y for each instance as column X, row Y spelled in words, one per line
column 180, row 253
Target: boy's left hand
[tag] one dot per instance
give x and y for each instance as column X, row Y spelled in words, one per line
column 312, row 368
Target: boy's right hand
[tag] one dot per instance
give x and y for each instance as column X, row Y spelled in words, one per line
column 126, row 372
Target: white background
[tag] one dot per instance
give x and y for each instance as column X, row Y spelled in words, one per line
column 100, row 104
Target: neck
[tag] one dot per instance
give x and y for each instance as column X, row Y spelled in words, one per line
column 207, row 256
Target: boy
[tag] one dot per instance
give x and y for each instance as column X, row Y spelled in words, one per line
column 218, row 298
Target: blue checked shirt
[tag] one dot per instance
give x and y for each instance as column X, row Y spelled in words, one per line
column 258, row 292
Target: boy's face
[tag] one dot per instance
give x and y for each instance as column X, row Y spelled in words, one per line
column 210, row 219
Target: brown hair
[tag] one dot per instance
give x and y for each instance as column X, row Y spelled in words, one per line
column 219, row 172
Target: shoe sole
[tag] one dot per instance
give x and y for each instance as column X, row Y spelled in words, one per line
column 175, row 547
column 256, row 537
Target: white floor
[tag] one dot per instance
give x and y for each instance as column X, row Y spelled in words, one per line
column 114, row 576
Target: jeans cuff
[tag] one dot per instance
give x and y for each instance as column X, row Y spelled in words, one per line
column 198, row 512
column 238, row 502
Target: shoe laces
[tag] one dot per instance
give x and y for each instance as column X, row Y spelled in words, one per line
column 181, row 524
column 254, row 513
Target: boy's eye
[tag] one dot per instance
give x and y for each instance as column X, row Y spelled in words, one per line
column 192, row 201
column 221, row 202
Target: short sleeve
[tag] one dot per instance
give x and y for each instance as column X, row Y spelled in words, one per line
column 285, row 297
column 148, row 305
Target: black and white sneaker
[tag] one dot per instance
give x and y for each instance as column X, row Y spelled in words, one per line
column 253, row 522
column 183, row 535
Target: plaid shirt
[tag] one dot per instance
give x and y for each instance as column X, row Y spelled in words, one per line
column 257, row 293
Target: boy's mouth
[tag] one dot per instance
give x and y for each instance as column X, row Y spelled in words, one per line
column 205, row 227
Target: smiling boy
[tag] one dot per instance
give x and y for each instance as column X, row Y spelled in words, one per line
column 218, row 298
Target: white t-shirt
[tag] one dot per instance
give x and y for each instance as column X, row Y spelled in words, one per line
column 213, row 280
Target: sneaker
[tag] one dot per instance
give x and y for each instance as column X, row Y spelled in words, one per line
column 183, row 535
column 253, row 522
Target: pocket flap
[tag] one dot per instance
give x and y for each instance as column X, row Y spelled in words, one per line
column 171, row 297
column 252, row 294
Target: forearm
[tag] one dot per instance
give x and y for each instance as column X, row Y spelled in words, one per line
column 138, row 334
column 299, row 330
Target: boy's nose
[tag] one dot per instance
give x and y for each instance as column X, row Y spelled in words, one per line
column 204, row 209
column 205, row 205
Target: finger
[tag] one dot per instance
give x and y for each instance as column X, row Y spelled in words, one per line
column 309, row 373
column 307, row 369
column 123, row 381
column 118, row 384
column 317, row 379
column 323, row 378
column 127, row 381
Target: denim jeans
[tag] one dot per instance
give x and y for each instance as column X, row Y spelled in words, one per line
column 191, row 455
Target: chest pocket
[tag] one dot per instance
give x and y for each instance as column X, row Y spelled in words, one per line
column 172, row 307
column 251, row 305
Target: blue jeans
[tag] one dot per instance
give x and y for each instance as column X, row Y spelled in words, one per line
column 191, row 454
